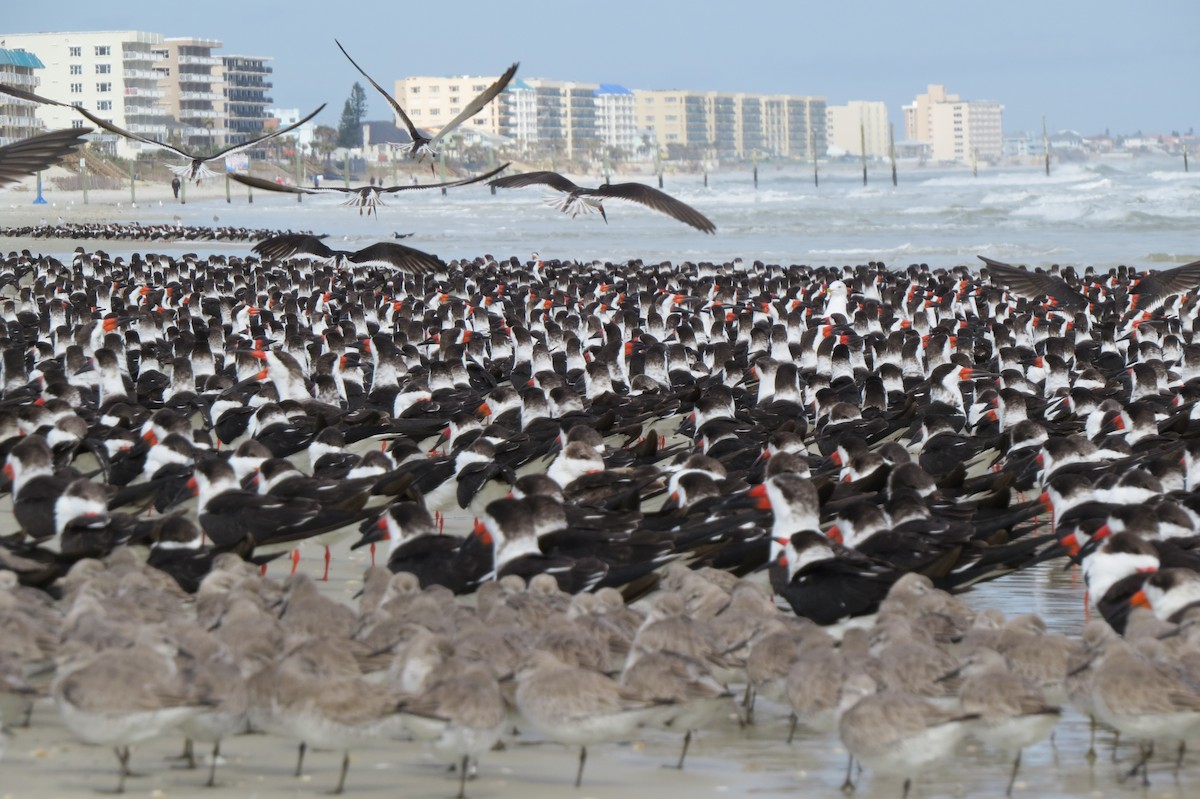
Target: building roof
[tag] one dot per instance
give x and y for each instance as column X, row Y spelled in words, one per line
column 518, row 85
column 20, row 58
column 612, row 88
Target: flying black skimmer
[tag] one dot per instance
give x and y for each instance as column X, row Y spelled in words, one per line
column 421, row 144
column 1036, row 285
column 384, row 253
column 361, row 197
column 196, row 168
column 580, row 200
column 23, row 158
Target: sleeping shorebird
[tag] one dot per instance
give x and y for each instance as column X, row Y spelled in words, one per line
column 579, row 200
column 28, row 156
column 423, row 145
column 361, row 197
column 196, row 169
column 384, row 253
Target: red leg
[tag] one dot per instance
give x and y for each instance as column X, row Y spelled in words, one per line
column 295, row 559
column 372, row 553
column 328, row 557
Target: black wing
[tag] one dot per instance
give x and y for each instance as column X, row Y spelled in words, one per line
column 551, row 179
column 397, row 256
column 412, row 129
column 658, row 200
column 287, row 245
column 449, row 184
column 111, row 128
column 235, row 148
column 270, row 185
column 476, row 105
column 1035, row 285
column 30, row 96
column 1162, row 284
column 23, row 158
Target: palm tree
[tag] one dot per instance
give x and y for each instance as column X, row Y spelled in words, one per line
column 325, row 142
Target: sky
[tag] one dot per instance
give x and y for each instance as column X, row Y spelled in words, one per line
column 1086, row 66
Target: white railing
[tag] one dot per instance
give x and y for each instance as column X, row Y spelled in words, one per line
column 200, row 59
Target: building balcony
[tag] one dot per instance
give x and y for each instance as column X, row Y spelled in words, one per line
column 135, row 91
column 157, row 131
column 197, row 77
column 147, row 56
column 201, row 96
column 14, row 78
column 203, row 60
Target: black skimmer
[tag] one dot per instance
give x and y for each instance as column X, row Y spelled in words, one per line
column 384, row 253
column 28, row 156
column 196, row 169
column 1035, row 285
column 367, row 198
column 580, row 200
column 422, row 145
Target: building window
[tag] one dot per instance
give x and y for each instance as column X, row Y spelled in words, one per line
column 76, row 69
column 103, row 69
column 434, row 89
column 454, row 88
column 76, row 88
column 75, row 52
column 434, row 112
column 478, row 87
column 453, row 100
column 102, row 49
column 103, row 87
column 104, row 105
column 415, row 90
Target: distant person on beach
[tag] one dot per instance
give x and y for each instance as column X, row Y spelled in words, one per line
column 175, row 184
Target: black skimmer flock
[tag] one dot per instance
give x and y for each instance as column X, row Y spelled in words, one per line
column 611, row 492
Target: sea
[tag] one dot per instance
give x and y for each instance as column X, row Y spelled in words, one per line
column 1139, row 211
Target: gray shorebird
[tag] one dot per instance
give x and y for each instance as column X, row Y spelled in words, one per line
column 581, row 200
column 426, row 145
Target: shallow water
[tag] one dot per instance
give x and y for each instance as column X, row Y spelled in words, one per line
column 1138, row 211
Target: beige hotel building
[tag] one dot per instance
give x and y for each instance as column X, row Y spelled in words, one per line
column 956, row 130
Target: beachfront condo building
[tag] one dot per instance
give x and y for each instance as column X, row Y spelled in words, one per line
column 713, row 125
column 110, row 73
column 857, row 124
column 191, row 80
column 18, row 118
column 247, row 81
column 956, row 130
column 431, row 102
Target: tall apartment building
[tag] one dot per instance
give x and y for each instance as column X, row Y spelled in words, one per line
column 858, row 121
column 110, row 73
column 432, row 102
column 247, row 81
column 191, row 80
column 713, row 124
column 956, row 129
column 18, row 118
column 616, row 118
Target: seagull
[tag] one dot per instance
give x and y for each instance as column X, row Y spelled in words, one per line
column 397, row 256
column 25, row 157
column 421, row 144
column 580, row 200
column 1035, row 285
column 368, row 197
column 195, row 170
